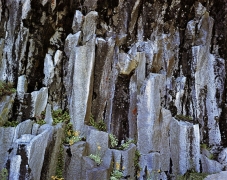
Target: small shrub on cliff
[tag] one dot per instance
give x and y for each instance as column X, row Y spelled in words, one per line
column 4, row 174
column 116, row 175
column 96, row 157
column 100, row 125
column 10, row 124
column 59, row 116
column 126, row 144
column 113, row 141
column 6, row 89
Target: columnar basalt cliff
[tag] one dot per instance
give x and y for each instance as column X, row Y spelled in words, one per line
column 150, row 72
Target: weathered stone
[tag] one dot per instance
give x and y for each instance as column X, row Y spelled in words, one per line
column 89, row 26
column 222, row 157
column 126, row 64
column 36, row 151
column 48, row 70
column 73, row 158
column 21, row 87
column 91, row 5
column 149, row 107
column 185, row 151
column 151, row 165
column 134, row 16
column 97, row 173
column 80, row 102
column 210, row 166
column 24, row 127
column 124, row 160
column 77, row 21
column 219, row 176
column 101, row 104
column 135, row 85
column 39, row 101
column 6, row 139
column 6, row 104
column 52, row 152
column 71, row 42
column 15, row 163
column 97, row 141
column 48, row 116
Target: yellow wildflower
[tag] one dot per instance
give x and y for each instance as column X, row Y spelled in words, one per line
column 117, row 166
column 158, row 170
column 76, row 133
column 69, row 133
column 71, row 142
column 99, row 147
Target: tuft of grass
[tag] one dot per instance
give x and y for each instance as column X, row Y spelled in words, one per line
column 6, row 89
column 100, row 125
column 59, row 116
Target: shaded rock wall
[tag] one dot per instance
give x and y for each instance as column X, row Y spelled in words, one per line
column 143, row 67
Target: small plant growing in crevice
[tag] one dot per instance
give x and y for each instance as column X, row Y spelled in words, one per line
column 6, row 89
column 56, row 178
column 116, row 175
column 73, row 137
column 96, row 157
column 4, row 174
column 126, row 144
column 113, row 141
column 59, row 116
column 100, row 125
column 136, row 162
column 10, row 124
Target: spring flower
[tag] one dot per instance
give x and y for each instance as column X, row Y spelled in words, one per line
column 117, row 166
column 76, row 133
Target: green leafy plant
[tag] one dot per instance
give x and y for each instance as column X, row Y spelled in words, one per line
column 59, row 116
column 96, row 157
column 100, row 125
column 4, row 174
column 40, row 122
column 113, row 141
column 116, row 175
column 126, row 144
column 136, row 162
column 6, row 89
column 10, row 124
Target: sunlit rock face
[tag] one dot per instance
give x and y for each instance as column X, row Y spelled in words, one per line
column 151, row 71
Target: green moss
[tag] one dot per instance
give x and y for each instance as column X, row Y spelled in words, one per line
column 6, row 89
column 100, row 125
column 184, row 118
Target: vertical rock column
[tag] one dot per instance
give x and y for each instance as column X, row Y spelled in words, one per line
column 82, row 80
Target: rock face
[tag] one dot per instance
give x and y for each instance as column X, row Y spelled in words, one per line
column 151, row 71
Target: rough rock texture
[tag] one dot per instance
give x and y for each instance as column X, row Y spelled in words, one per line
column 152, row 71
